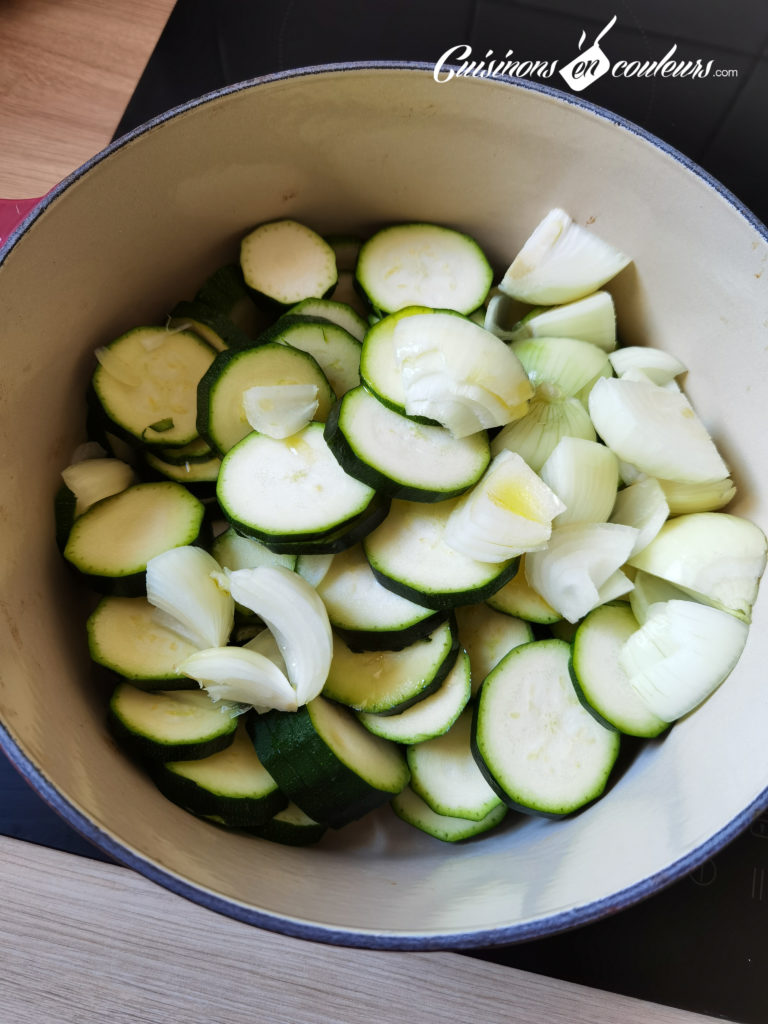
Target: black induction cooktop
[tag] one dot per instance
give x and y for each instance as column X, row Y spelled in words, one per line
column 703, row 943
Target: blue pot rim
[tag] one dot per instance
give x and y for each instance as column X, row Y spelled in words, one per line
column 416, row 941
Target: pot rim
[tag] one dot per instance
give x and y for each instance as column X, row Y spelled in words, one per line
column 291, row 926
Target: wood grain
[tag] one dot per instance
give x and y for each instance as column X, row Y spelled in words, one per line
column 67, row 72
column 87, row 942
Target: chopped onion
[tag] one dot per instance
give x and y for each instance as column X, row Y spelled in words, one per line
column 292, row 610
column 88, row 450
column 264, row 642
column 591, row 319
column 716, row 557
column 454, row 369
column 508, row 512
column 280, row 410
column 684, row 498
column 242, row 675
column 649, row 590
column 680, row 655
column 643, row 506
column 561, row 262
column 117, row 367
column 185, row 584
column 550, row 417
column 658, row 365
column 95, row 478
column 655, row 430
column 580, row 559
column 585, row 476
column 572, row 365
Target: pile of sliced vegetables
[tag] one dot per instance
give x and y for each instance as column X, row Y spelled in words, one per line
column 426, row 542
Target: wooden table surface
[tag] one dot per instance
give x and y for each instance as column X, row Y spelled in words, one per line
column 84, row 941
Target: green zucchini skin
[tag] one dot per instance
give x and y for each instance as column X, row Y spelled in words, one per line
column 133, row 584
column 338, row 539
column 446, row 601
column 352, row 691
column 205, row 321
column 226, row 367
column 148, row 749
column 64, row 503
column 415, row 811
column 353, row 464
column 204, row 799
column 390, row 640
column 309, row 773
column 518, row 788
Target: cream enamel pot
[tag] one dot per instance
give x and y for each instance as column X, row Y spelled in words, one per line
column 347, row 149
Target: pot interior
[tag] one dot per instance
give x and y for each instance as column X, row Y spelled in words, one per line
column 347, row 151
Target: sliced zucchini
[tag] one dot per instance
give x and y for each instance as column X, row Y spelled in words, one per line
column 338, row 313
column 346, row 249
column 146, row 383
column 199, row 477
column 601, row 683
column 423, row 264
column 115, row 539
column 287, row 262
column 290, row 827
column 432, row 715
column 226, row 291
column 124, row 635
column 409, row 556
column 212, row 325
column 363, row 612
column 221, row 417
column 327, row 763
column 413, row 810
column 196, row 451
column 163, row 726
column 289, row 491
column 231, row 784
column 400, row 457
column 94, row 479
column 379, row 368
column 64, row 505
column 445, row 775
column 388, row 682
column 487, row 635
column 538, row 747
column 346, row 291
column 336, row 351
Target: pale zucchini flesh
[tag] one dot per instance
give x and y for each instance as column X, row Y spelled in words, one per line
column 412, row 809
column 432, row 715
column 387, row 682
column 446, row 776
column 115, row 538
column 537, row 746
column 124, row 635
column 221, row 416
column 409, row 555
column 399, row 456
column 288, row 489
column 169, row 726
column 147, row 382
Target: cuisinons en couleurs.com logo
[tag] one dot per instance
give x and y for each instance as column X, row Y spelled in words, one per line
column 590, row 63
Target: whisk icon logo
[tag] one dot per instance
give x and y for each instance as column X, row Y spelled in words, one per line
column 588, row 65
